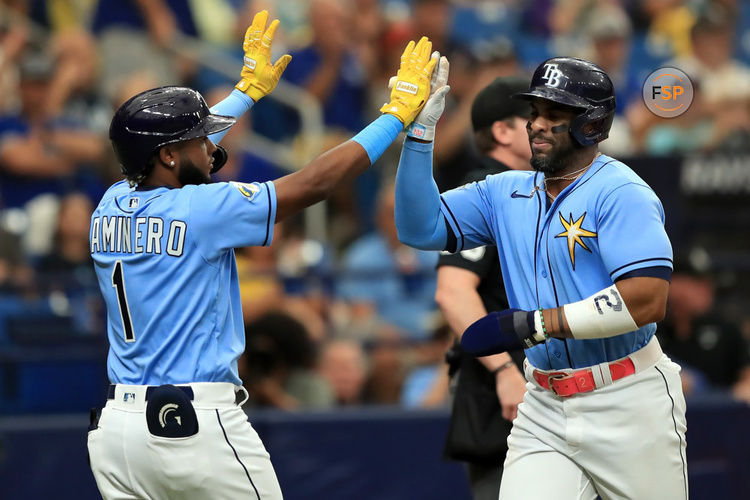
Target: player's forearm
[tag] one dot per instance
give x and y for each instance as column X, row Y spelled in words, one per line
column 604, row 314
column 419, row 221
column 236, row 104
column 642, row 299
column 340, row 165
column 317, row 180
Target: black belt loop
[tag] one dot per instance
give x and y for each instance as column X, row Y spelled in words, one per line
column 150, row 389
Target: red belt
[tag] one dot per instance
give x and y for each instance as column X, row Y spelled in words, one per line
column 569, row 383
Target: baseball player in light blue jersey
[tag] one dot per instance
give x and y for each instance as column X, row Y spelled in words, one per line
column 586, row 264
column 162, row 243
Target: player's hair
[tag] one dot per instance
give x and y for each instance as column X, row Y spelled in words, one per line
column 141, row 176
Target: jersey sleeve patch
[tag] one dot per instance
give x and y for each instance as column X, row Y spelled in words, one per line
column 248, row 190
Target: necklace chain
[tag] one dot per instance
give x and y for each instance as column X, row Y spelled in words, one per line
column 542, row 186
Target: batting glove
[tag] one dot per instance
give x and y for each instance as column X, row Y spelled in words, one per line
column 259, row 77
column 507, row 330
column 412, row 87
column 423, row 126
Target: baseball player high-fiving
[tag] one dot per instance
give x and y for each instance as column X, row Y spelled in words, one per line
column 162, row 243
column 586, row 264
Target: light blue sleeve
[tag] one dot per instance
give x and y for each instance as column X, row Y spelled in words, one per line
column 419, row 221
column 229, row 215
column 631, row 230
column 377, row 136
column 468, row 210
column 236, row 104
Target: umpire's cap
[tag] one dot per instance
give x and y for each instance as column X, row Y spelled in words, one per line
column 579, row 84
column 495, row 102
column 161, row 116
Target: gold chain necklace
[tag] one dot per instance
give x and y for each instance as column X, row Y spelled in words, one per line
column 542, row 186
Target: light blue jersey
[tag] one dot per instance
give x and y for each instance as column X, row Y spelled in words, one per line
column 604, row 225
column 164, row 259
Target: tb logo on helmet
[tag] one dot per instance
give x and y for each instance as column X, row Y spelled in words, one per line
column 552, row 75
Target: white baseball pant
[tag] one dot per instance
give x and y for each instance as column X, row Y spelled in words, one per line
column 225, row 459
column 621, row 441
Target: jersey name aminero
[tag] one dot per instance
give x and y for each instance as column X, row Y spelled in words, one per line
column 123, row 234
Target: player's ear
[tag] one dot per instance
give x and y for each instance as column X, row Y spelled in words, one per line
column 168, row 155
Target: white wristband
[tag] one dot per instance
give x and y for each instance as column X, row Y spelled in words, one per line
column 604, row 314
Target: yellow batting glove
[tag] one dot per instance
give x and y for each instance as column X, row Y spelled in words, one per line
column 412, row 87
column 259, row 77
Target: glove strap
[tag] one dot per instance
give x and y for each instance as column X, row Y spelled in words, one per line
column 418, row 131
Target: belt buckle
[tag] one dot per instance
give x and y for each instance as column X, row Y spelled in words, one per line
column 556, row 376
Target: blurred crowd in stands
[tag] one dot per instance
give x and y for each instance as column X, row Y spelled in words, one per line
column 347, row 317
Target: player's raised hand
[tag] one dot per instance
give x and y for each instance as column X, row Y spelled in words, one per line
column 412, row 87
column 423, row 126
column 259, row 77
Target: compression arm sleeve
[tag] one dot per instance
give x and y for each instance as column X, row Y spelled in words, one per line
column 235, row 104
column 419, row 221
column 377, row 136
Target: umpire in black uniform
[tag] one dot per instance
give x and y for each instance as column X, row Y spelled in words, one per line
column 470, row 285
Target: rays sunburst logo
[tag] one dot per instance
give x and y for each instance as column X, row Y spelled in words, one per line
column 575, row 233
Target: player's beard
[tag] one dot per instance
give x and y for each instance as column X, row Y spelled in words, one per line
column 190, row 174
column 559, row 158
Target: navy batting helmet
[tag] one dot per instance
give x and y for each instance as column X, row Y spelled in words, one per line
column 579, row 84
column 161, row 116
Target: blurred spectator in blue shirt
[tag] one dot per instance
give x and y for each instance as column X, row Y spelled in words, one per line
column 387, row 281
column 329, row 69
column 160, row 18
column 40, row 153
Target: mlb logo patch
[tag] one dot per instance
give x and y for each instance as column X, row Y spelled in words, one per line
column 133, row 203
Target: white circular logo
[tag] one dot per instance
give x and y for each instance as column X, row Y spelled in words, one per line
column 668, row 92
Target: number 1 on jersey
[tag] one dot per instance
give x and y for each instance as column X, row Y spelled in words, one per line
column 118, row 283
